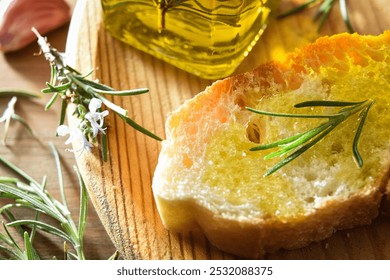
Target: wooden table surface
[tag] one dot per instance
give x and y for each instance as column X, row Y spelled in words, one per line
column 23, row 70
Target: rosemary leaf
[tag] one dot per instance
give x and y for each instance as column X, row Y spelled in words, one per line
column 10, row 92
column 276, row 143
column 59, row 88
column 139, row 128
column 30, row 251
column 83, row 205
column 324, row 8
column 79, row 83
column 9, row 205
column 59, row 174
column 42, row 226
column 83, row 76
column 120, row 111
column 4, row 238
column 323, row 13
column 297, row 153
column 19, row 119
column 9, row 252
column 12, row 242
column 71, row 69
column 363, row 117
column 51, row 101
column 33, row 200
column 104, row 146
column 53, row 73
column 17, row 203
column 344, row 14
column 64, row 104
column 6, row 180
column 65, row 251
column 304, row 137
column 12, row 218
column 122, row 92
column 6, row 129
column 20, row 203
column 34, row 228
column 93, row 84
column 326, row 103
column 71, row 256
column 104, row 89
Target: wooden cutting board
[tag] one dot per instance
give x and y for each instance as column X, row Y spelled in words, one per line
column 120, row 188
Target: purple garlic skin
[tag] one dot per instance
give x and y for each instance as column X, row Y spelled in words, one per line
column 22, row 15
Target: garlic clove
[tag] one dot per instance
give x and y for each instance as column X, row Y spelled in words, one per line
column 22, row 15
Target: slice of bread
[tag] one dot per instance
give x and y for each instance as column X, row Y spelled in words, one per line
column 207, row 178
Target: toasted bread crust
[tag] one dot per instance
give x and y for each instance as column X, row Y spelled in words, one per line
column 270, row 235
column 252, row 239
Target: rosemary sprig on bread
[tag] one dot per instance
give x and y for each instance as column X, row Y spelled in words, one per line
column 301, row 142
column 207, row 178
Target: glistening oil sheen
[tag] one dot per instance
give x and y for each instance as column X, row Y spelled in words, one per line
column 208, row 38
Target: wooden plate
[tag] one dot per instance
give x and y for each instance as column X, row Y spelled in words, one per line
column 120, row 188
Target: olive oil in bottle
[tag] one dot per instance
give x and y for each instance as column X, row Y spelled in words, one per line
column 208, row 38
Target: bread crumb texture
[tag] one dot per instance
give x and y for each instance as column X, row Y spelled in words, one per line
column 206, row 168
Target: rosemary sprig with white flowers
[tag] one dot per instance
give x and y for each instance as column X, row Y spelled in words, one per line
column 71, row 86
column 9, row 113
column 28, row 193
column 322, row 12
column 301, row 142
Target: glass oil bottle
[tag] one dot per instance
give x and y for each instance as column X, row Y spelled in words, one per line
column 208, row 38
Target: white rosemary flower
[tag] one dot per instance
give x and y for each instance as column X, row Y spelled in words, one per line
column 9, row 111
column 96, row 118
column 7, row 116
column 75, row 135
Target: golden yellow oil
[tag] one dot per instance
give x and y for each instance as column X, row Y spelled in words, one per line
column 235, row 173
column 208, row 38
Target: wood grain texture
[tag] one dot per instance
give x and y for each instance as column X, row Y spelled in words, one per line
column 121, row 187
